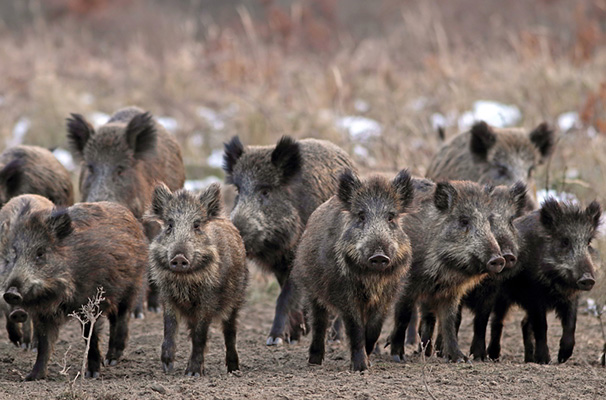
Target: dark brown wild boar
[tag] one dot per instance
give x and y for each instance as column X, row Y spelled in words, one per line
column 123, row 161
column 556, row 265
column 495, row 156
column 351, row 259
column 198, row 262
column 34, row 170
column 278, row 189
column 58, row 259
column 18, row 324
column 453, row 250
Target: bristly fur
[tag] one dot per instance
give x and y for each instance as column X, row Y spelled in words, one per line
column 79, row 130
column 233, row 151
column 543, row 136
column 404, row 187
column 518, row 194
column 445, row 196
column 11, row 175
column 160, row 198
column 211, row 200
column 348, row 184
column 553, row 213
column 287, row 158
column 60, row 223
column 482, row 138
column 141, row 135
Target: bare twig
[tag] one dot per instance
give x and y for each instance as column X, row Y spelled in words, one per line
column 89, row 314
column 424, row 363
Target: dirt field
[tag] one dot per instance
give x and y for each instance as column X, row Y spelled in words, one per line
column 283, row 372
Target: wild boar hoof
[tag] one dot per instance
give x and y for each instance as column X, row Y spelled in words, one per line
column 110, row 363
column 168, row 367
column 91, row 374
column 271, row 341
column 398, row 358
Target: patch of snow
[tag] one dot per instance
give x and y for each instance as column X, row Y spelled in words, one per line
column 212, row 117
column 543, row 194
column 359, row 128
column 169, row 123
column 65, row 158
column 592, row 132
column 361, row 106
column 199, row 184
column 98, row 118
column 493, row 113
column 592, row 308
column 196, row 140
column 215, row 160
column 418, row 104
column 568, row 120
column 361, row 151
column 572, row 173
column 19, row 131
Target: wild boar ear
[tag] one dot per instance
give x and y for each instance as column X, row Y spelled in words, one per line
column 160, row 198
column 482, row 139
column 79, row 130
column 11, row 174
column 518, row 194
column 233, row 151
column 348, row 184
column 60, row 223
column 594, row 212
column 211, row 200
column 551, row 213
column 543, row 137
column 445, row 196
column 141, row 135
column 287, row 158
column 404, row 187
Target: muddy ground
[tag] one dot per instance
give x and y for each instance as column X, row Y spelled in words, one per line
column 283, row 372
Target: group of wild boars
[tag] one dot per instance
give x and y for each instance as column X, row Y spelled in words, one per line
column 351, row 259
column 556, row 264
column 278, row 189
column 59, row 257
column 198, row 262
column 122, row 162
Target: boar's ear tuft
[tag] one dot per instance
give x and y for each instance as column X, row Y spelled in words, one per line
column 11, row 174
column 551, row 212
column 233, row 151
column 445, row 196
column 543, row 137
column 211, row 200
column 60, row 223
column 160, row 198
column 287, row 158
column 79, row 130
column 348, row 184
column 519, row 195
column 141, row 135
column 594, row 212
column 482, row 139
column 404, row 187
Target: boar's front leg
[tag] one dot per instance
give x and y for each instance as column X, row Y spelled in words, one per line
column 426, row 330
column 568, row 315
column 276, row 335
column 373, row 330
column 501, row 307
column 447, row 314
column 403, row 312
column 94, row 355
column 46, row 332
column 199, row 335
column 170, row 332
column 319, row 315
column 355, row 331
column 538, row 322
column 229, row 333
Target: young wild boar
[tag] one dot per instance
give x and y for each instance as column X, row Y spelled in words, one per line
column 555, row 266
column 351, row 259
column 199, row 263
column 124, row 160
column 18, row 324
column 494, row 156
column 34, row 170
column 507, row 203
column 59, row 257
column 278, row 189
column 453, row 250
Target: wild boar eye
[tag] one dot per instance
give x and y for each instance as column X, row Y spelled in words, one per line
column 361, row 216
column 565, row 243
column 169, row 227
column 464, row 222
column 391, row 216
column 40, row 254
column 197, row 224
column 119, row 170
column 265, row 192
column 91, row 168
